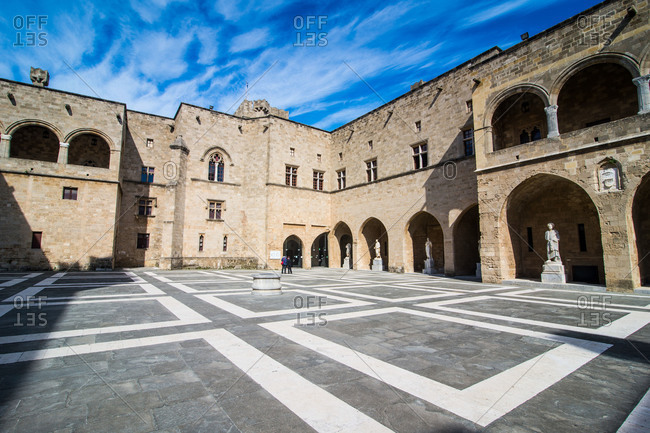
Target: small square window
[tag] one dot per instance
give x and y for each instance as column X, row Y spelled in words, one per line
column 340, row 156
column 69, row 193
column 145, row 207
column 418, row 126
column 292, row 151
column 319, row 157
column 214, row 210
column 469, row 106
column 36, row 240
column 370, row 145
column 143, row 241
column 149, row 142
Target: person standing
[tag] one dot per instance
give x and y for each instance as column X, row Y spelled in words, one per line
column 284, row 264
column 289, row 271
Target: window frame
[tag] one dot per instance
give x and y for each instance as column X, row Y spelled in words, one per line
column 318, row 180
column 291, row 175
column 340, row 178
column 371, row 170
column 149, row 204
column 420, row 153
column 37, row 241
column 143, row 237
column 468, row 141
column 215, row 210
column 147, row 174
column 216, row 167
column 74, row 193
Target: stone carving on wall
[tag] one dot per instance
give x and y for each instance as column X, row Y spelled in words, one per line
column 40, row 77
column 608, row 178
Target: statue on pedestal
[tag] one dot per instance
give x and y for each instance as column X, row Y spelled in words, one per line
column 377, row 249
column 348, row 249
column 427, row 246
column 552, row 244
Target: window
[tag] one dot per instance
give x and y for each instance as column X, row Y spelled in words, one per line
column 291, row 176
column 319, row 157
column 292, row 151
column 582, row 239
column 145, row 207
column 468, row 142
column 149, row 142
column 69, row 193
column 36, row 240
column 200, row 243
column 340, row 156
column 371, row 170
column 469, row 105
column 214, row 210
column 420, row 159
column 216, row 167
column 318, row 180
column 418, row 126
column 370, row 145
column 147, row 175
column 340, row 178
column 225, row 244
column 529, row 235
column 143, row 241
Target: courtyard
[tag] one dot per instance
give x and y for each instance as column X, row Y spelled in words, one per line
column 146, row 350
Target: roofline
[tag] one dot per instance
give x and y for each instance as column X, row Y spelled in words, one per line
column 148, row 114
column 62, row 91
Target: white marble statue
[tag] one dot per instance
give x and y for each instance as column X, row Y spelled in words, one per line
column 552, row 244
column 377, row 249
column 427, row 246
column 348, row 250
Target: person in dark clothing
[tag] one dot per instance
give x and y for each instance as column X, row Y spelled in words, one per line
column 289, row 271
column 284, row 264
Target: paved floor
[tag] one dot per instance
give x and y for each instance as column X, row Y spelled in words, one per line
column 193, row 351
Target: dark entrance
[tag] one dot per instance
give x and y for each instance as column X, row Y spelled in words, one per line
column 293, row 249
column 319, row 255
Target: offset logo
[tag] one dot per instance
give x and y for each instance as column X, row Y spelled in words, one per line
column 310, row 30
column 30, row 30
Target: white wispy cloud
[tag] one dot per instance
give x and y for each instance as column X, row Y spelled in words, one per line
column 251, row 40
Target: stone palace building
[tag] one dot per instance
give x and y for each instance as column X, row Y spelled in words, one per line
column 478, row 160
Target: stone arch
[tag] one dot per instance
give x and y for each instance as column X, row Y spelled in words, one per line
column 11, row 129
column 623, row 60
column 319, row 251
column 645, row 61
column 419, row 228
column 89, row 149
column 530, row 206
column 216, row 149
column 34, row 140
column 293, row 247
column 641, row 223
column 466, row 241
column 517, row 116
column 77, row 132
column 339, row 238
column 371, row 230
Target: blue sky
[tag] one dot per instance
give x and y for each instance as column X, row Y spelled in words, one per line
column 155, row 54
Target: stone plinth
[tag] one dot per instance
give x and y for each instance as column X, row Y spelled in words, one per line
column 429, row 268
column 266, row 284
column 377, row 265
column 346, row 263
column 553, row 272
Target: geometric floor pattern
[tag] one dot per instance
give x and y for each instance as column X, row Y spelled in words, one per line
column 146, row 350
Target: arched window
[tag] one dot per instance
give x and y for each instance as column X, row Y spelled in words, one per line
column 216, row 167
column 225, row 243
column 200, row 243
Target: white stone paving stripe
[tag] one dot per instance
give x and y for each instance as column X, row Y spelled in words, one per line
column 15, row 281
column 638, row 421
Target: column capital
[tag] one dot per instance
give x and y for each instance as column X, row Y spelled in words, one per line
column 638, row 81
column 62, row 144
column 5, row 137
column 551, row 109
column 643, row 92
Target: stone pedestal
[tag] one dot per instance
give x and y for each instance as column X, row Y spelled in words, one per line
column 553, row 272
column 478, row 270
column 428, row 267
column 377, row 265
column 346, row 263
column 266, row 284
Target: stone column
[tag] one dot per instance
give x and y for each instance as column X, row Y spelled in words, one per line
column 5, row 146
column 643, row 91
column 551, row 121
column 63, row 153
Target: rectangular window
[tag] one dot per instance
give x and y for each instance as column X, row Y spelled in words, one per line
column 529, row 235
column 292, row 151
column 318, row 180
column 469, row 105
column 145, row 207
column 418, row 126
column 468, row 142
column 69, row 193
column 291, row 176
column 149, row 142
column 146, row 175
column 340, row 156
column 420, row 159
column 201, row 238
column 582, row 238
column 370, row 145
column 36, row 240
column 225, row 244
column 319, row 157
column 371, row 170
column 214, row 210
column 143, row 241
column 340, row 179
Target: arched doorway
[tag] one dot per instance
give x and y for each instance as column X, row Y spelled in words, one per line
column 519, row 119
column 466, row 238
column 596, row 94
column 371, row 231
column 343, row 236
column 319, row 253
column 35, row 142
column 543, row 199
column 293, row 249
column 90, row 150
column 425, row 226
column 641, row 218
